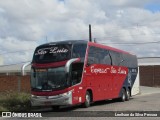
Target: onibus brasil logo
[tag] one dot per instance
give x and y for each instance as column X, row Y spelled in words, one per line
column 21, row 115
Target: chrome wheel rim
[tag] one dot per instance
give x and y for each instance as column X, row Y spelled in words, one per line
column 87, row 98
column 123, row 96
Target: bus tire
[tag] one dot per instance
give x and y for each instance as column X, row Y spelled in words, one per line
column 87, row 100
column 127, row 95
column 123, row 95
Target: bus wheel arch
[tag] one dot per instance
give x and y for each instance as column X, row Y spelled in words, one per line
column 123, row 94
column 128, row 93
column 88, row 98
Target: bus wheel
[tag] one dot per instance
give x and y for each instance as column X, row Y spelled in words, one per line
column 127, row 94
column 87, row 100
column 123, row 95
column 55, row 108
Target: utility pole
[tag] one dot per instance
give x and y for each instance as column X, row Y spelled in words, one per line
column 90, row 34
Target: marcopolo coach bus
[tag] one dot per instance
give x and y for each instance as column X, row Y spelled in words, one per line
column 80, row 72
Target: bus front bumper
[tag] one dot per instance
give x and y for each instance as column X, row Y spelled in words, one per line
column 61, row 99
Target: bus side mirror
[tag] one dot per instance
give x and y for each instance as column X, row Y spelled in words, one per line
column 23, row 68
column 68, row 64
column 68, row 68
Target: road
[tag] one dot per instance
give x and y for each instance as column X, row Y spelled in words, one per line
column 148, row 100
column 139, row 103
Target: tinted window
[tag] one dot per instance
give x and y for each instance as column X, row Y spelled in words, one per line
column 98, row 56
column 52, row 53
column 129, row 60
column 79, row 50
column 121, row 59
column 116, row 58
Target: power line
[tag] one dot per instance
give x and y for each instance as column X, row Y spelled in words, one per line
column 135, row 43
column 138, row 35
column 146, row 57
column 118, row 43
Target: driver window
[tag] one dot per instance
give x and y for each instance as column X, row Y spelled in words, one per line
column 76, row 74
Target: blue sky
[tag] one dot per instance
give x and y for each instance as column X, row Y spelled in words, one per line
column 153, row 7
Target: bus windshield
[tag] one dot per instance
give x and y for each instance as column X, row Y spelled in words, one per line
column 52, row 53
column 48, row 79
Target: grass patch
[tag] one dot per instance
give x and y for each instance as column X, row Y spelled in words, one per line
column 15, row 102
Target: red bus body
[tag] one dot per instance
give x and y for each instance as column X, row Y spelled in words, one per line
column 102, row 81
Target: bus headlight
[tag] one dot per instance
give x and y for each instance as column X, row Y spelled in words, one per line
column 33, row 96
column 67, row 93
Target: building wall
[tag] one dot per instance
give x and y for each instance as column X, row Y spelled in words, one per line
column 150, row 75
column 14, row 83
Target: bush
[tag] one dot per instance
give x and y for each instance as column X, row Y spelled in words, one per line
column 3, row 108
column 15, row 102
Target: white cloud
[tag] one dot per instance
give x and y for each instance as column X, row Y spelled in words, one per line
column 14, row 50
column 25, row 23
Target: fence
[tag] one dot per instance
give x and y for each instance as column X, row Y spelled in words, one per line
column 150, row 76
column 14, row 83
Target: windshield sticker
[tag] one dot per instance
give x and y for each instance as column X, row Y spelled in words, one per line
column 51, row 50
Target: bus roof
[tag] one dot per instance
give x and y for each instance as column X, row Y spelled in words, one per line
column 85, row 42
column 64, row 42
column 108, row 47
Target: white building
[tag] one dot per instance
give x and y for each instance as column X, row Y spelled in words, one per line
column 148, row 61
column 13, row 69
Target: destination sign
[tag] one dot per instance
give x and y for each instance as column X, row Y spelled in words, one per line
column 51, row 50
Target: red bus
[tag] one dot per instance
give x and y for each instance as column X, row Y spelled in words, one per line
column 80, row 72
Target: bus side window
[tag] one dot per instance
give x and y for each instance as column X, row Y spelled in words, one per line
column 92, row 59
column 116, row 58
column 79, row 50
column 106, row 59
column 98, row 56
column 129, row 61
